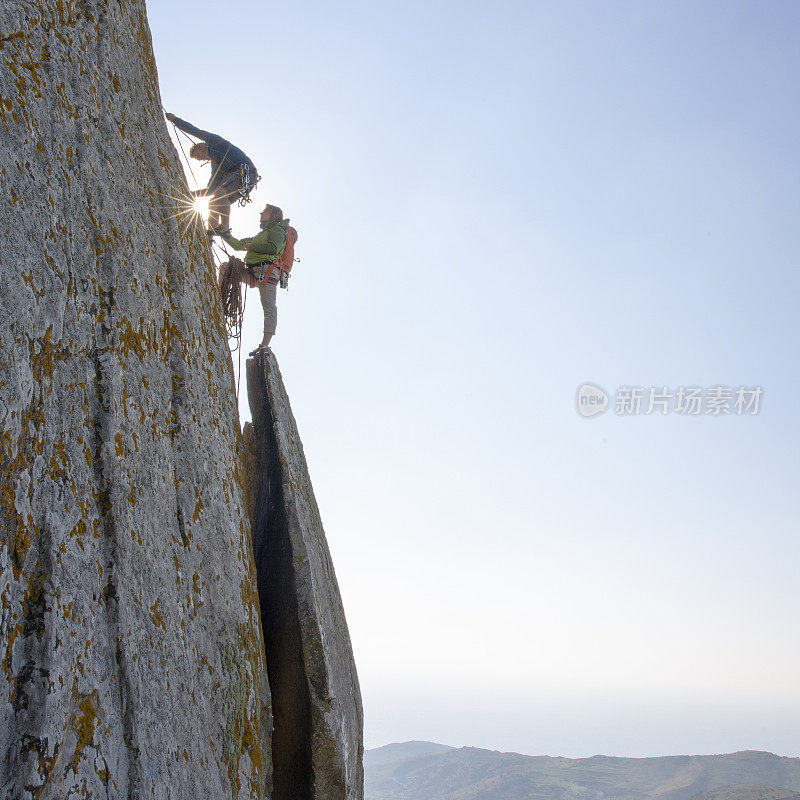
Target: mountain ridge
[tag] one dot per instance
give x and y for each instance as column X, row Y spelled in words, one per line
column 470, row 773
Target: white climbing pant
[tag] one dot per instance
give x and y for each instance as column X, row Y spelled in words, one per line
column 269, row 297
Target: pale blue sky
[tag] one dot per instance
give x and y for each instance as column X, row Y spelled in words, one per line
column 496, row 204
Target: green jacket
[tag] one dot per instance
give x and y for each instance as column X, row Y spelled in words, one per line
column 267, row 245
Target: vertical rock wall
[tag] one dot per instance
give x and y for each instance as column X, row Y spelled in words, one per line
column 130, row 642
column 317, row 743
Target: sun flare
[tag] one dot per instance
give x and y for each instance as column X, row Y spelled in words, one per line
column 200, row 207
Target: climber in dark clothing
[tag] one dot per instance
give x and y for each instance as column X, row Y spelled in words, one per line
column 233, row 174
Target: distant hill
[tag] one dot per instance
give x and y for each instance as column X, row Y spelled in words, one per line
column 743, row 792
column 402, row 751
column 427, row 771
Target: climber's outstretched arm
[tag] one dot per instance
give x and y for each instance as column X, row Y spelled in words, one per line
column 237, row 244
column 187, row 127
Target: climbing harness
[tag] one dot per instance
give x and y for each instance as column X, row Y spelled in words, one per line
column 263, row 271
column 259, row 272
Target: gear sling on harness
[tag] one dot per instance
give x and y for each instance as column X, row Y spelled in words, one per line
column 262, row 272
column 249, row 179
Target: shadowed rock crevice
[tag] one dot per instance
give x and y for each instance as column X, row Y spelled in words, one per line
column 109, row 546
column 291, row 703
column 317, row 742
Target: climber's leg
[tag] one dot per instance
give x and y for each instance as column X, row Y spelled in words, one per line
column 219, row 205
column 219, row 213
column 269, row 296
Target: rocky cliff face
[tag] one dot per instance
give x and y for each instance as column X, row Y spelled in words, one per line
column 317, row 743
column 131, row 643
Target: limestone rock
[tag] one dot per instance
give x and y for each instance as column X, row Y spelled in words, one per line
column 317, row 743
column 130, row 640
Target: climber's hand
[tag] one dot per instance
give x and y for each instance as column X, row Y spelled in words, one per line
column 171, row 117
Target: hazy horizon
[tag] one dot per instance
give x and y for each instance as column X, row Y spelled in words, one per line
column 387, row 745
column 495, row 206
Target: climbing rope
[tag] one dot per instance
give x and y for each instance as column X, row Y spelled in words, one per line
column 178, row 134
column 229, row 270
column 189, row 211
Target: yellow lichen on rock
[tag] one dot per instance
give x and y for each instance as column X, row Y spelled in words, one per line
column 112, row 485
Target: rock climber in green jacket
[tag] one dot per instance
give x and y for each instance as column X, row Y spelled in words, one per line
column 269, row 258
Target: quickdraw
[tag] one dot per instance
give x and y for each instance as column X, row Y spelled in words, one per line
column 249, row 180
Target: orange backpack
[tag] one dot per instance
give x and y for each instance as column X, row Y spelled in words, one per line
column 286, row 260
